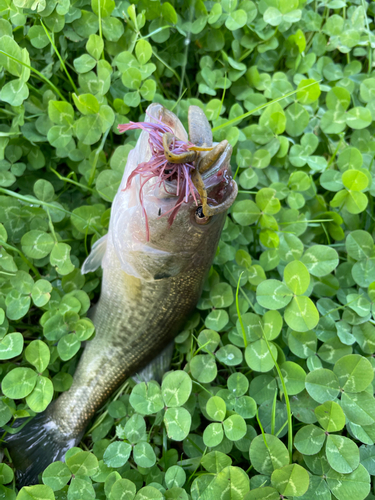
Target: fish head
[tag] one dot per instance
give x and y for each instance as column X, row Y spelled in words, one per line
column 190, row 241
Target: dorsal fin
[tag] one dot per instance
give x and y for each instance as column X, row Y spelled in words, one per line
column 199, row 128
column 94, row 260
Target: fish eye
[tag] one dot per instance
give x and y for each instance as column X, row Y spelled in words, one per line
column 200, row 218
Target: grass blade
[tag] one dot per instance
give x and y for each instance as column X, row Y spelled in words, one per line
column 258, row 108
column 239, row 312
column 34, row 201
column 44, row 78
column 287, row 402
column 60, row 58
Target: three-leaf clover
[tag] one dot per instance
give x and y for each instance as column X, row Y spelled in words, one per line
column 300, row 312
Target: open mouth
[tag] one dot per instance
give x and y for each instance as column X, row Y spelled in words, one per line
column 223, row 191
column 218, row 182
column 195, row 170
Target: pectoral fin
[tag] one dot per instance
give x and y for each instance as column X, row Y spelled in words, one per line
column 94, row 260
column 157, row 367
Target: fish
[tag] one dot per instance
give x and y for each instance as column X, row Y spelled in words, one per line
column 152, row 281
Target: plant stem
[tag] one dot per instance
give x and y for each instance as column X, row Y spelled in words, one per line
column 167, row 66
column 239, row 312
column 287, row 402
column 23, row 257
column 100, row 26
column 60, row 58
column 71, row 181
column 97, row 153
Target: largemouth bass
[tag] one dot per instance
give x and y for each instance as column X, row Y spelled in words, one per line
column 149, row 288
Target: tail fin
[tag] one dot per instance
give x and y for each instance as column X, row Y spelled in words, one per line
column 42, row 441
column 36, row 446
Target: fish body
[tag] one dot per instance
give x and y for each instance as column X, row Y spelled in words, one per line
column 134, row 320
column 149, row 289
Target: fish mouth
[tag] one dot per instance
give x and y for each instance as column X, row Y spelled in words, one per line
column 219, row 172
column 221, row 188
column 218, row 181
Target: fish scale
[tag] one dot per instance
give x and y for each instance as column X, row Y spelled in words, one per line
column 129, row 330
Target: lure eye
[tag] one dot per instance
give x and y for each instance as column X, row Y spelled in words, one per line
column 200, row 218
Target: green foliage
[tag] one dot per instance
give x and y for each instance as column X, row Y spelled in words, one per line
column 271, row 392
